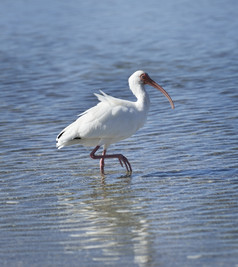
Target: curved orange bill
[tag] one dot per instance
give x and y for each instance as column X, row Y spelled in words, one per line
column 149, row 81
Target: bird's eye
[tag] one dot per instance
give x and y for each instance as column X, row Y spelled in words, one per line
column 142, row 76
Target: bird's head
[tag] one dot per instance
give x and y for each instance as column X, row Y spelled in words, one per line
column 141, row 77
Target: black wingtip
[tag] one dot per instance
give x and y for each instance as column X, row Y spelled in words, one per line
column 60, row 135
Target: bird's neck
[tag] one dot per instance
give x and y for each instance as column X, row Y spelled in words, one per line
column 143, row 100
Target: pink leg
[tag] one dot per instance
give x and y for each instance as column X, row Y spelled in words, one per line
column 93, row 156
column 122, row 159
column 102, row 161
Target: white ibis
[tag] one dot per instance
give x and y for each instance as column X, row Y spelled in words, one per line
column 111, row 120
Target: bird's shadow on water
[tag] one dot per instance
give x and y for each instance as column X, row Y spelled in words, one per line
column 193, row 173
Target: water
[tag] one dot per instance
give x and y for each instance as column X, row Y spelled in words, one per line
column 179, row 208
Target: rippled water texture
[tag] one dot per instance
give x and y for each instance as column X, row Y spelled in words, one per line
column 179, row 207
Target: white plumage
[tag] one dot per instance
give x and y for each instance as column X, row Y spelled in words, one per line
column 111, row 120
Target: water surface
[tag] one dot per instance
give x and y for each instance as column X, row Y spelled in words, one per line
column 179, row 207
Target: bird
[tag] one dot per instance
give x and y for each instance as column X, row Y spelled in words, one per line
column 111, row 121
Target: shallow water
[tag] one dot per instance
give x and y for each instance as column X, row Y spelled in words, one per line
column 179, row 207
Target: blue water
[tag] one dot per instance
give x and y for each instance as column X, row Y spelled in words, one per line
column 179, row 207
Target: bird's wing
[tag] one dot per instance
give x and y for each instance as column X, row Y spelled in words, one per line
column 110, row 99
column 111, row 118
column 106, row 118
column 106, row 99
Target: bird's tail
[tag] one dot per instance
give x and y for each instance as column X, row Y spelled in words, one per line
column 67, row 137
column 60, row 142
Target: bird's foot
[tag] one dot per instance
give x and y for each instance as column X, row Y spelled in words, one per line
column 122, row 159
